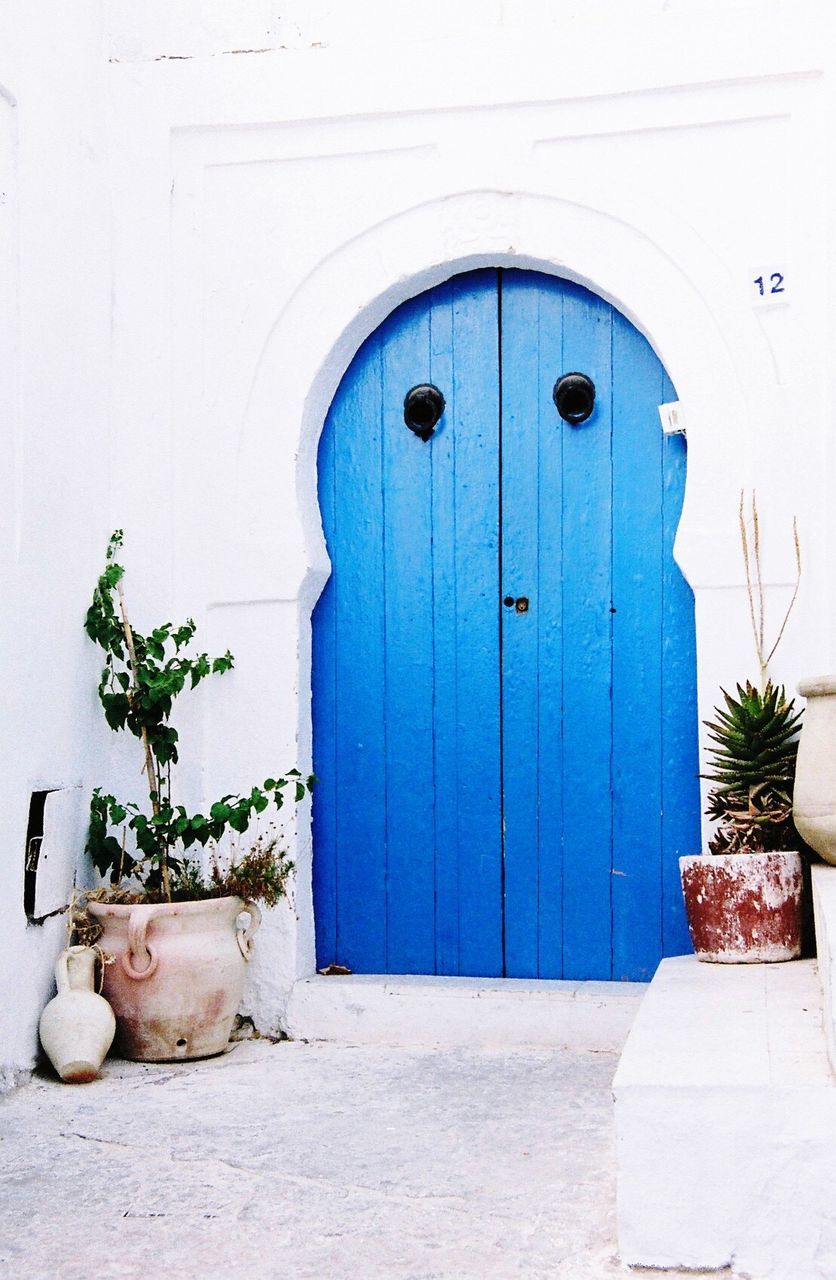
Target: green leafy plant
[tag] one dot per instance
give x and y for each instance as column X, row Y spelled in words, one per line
column 756, row 733
column 141, row 678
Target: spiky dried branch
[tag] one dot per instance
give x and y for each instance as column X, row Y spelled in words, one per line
column 755, row 587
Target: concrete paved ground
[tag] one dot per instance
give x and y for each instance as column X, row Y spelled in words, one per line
column 315, row 1161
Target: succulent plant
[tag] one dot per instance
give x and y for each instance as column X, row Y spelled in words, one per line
column 753, row 765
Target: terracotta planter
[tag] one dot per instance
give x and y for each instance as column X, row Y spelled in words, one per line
column 178, row 975
column 814, row 793
column 743, row 908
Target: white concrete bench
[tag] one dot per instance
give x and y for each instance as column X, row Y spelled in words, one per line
column 725, row 1112
column 824, row 903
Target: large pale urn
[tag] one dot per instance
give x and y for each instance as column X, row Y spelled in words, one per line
column 814, row 795
column 177, row 975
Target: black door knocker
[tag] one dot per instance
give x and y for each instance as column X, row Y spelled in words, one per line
column 574, row 395
column 422, row 407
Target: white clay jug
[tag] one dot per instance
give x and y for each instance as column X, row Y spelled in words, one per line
column 77, row 1026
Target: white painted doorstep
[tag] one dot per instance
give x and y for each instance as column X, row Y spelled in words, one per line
column 463, row 1012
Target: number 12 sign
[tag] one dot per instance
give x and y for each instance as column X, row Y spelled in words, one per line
column 768, row 286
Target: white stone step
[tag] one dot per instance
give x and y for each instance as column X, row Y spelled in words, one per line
column 725, row 1111
column 465, row 1012
column 824, row 905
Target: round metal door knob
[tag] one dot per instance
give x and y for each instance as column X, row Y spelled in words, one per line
column 574, row 396
column 422, row 407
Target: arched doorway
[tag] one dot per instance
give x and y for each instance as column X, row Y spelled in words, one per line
column 504, row 699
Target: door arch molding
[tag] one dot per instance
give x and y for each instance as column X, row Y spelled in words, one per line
column 651, row 266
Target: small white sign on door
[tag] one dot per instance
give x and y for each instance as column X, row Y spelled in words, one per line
column 673, row 419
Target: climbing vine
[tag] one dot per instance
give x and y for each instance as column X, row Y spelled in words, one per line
column 141, row 678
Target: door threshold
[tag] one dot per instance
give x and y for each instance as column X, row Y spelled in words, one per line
column 417, row 1010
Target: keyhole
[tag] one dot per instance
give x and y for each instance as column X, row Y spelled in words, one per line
column 522, row 604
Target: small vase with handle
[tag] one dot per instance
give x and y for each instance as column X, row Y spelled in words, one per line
column 77, row 1026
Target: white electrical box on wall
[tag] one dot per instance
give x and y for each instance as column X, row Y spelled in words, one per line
column 56, row 824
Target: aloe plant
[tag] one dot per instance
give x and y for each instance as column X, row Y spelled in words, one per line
column 753, row 767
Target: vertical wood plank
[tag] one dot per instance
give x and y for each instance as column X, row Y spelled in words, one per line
column 445, row 653
column 476, row 424
column 360, row 745
column 680, row 729
column 638, row 566
column 324, row 715
column 587, row 719
column 408, row 611
column 522, row 336
column 550, row 627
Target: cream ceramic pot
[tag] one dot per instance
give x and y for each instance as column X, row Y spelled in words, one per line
column 178, row 974
column 77, row 1026
column 814, row 794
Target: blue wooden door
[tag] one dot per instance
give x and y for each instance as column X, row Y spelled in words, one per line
column 504, row 702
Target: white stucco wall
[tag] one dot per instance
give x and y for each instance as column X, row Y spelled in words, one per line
column 206, row 209
column 57, row 456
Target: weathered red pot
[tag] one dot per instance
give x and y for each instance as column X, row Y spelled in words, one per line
column 177, row 977
column 743, row 908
